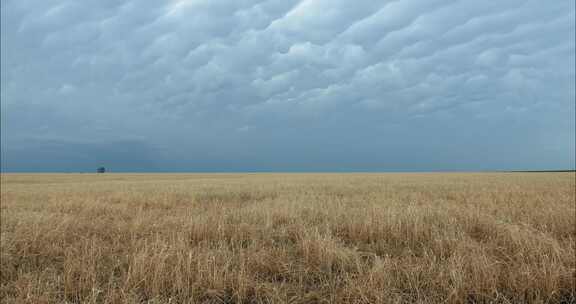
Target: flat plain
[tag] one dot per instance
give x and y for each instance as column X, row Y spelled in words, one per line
column 288, row 238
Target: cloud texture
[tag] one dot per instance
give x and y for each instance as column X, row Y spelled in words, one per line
column 224, row 85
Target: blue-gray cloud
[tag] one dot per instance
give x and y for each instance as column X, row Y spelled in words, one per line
column 287, row 85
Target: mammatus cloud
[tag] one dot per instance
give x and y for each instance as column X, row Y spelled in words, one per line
column 288, row 85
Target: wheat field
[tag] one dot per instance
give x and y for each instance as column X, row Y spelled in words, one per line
column 288, row 238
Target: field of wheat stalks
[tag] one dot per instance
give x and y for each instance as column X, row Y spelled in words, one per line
column 288, row 238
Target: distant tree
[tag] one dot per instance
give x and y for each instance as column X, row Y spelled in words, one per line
column 101, row 170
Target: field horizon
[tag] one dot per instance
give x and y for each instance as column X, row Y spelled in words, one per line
column 335, row 171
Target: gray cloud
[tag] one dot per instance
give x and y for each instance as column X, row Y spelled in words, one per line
column 288, row 85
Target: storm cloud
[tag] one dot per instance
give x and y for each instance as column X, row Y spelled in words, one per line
column 260, row 85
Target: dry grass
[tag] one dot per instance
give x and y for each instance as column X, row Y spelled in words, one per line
column 288, row 238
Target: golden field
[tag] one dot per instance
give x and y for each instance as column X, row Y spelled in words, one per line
column 288, row 238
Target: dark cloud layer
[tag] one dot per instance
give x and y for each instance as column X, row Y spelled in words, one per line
column 221, row 85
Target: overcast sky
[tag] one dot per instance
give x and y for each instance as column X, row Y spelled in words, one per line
column 285, row 85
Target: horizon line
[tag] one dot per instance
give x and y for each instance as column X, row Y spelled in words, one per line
column 291, row 172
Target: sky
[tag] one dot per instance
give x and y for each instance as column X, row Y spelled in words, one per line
column 286, row 85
